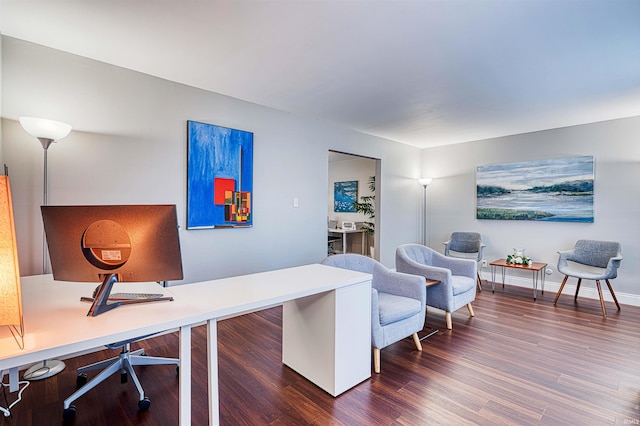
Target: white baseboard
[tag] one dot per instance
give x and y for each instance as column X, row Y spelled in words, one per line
column 587, row 289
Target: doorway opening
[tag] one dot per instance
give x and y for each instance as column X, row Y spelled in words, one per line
column 353, row 203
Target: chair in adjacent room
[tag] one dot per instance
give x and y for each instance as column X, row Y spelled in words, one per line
column 591, row 260
column 397, row 302
column 457, row 277
column 466, row 245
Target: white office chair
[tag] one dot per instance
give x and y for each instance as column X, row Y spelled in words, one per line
column 123, row 363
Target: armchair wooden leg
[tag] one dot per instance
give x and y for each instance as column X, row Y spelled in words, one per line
column 470, row 308
column 479, row 282
column 564, row 281
column 376, row 360
column 615, row 299
column 447, row 317
column 416, row 340
column 604, row 311
column 577, row 289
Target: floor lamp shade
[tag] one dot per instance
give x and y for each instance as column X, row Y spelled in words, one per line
column 10, row 294
column 44, row 128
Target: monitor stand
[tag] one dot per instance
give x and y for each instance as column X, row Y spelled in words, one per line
column 101, row 302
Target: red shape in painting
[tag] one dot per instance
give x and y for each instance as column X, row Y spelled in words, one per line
column 220, row 186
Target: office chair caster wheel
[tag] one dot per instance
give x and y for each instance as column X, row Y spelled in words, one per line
column 144, row 404
column 81, row 380
column 69, row 413
column 124, row 377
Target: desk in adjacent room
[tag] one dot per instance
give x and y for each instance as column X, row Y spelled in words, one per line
column 326, row 323
column 344, row 233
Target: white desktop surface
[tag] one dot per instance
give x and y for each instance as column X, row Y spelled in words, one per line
column 56, row 325
column 233, row 296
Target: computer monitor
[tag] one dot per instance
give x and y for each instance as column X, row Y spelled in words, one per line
column 110, row 243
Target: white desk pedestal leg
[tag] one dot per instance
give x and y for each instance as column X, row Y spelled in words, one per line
column 212, row 360
column 185, row 375
column 344, row 243
column 327, row 337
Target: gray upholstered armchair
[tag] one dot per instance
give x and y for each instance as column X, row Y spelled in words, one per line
column 467, row 245
column 457, row 277
column 397, row 302
column 591, row 260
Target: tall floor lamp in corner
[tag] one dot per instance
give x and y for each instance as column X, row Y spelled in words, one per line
column 47, row 132
column 425, row 181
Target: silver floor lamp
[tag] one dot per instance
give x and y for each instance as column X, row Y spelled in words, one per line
column 424, row 182
column 47, row 132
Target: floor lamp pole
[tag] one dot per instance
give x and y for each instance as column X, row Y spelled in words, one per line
column 49, row 367
column 45, row 201
column 424, row 182
column 424, row 215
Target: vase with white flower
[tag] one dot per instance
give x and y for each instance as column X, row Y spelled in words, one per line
column 518, row 258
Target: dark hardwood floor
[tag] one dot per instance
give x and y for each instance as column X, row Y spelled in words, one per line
column 517, row 362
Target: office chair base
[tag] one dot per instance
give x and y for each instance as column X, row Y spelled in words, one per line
column 124, row 364
column 44, row 369
column 69, row 413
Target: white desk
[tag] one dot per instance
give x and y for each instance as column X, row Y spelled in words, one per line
column 344, row 233
column 56, row 325
column 326, row 323
column 326, row 330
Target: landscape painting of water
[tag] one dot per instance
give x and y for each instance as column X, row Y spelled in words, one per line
column 559, row 190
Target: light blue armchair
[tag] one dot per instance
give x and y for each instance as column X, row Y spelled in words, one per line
column 467, row 245
column 397, row 302
column 601, row 258
column 457, row 277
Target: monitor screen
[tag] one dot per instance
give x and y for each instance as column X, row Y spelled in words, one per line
column 113, row 242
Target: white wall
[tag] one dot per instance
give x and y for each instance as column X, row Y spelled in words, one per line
column 129, row 146
column 614, row 144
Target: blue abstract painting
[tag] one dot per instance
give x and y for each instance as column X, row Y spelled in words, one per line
column 219, row 177
column 559, row 189
column 344, row 195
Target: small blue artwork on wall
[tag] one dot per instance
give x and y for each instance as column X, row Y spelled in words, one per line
column 344, row 195
column 219, row 177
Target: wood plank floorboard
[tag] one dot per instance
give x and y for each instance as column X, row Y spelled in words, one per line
column 517, row 362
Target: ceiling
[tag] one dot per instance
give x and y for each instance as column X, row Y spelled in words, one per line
column 424, row 73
